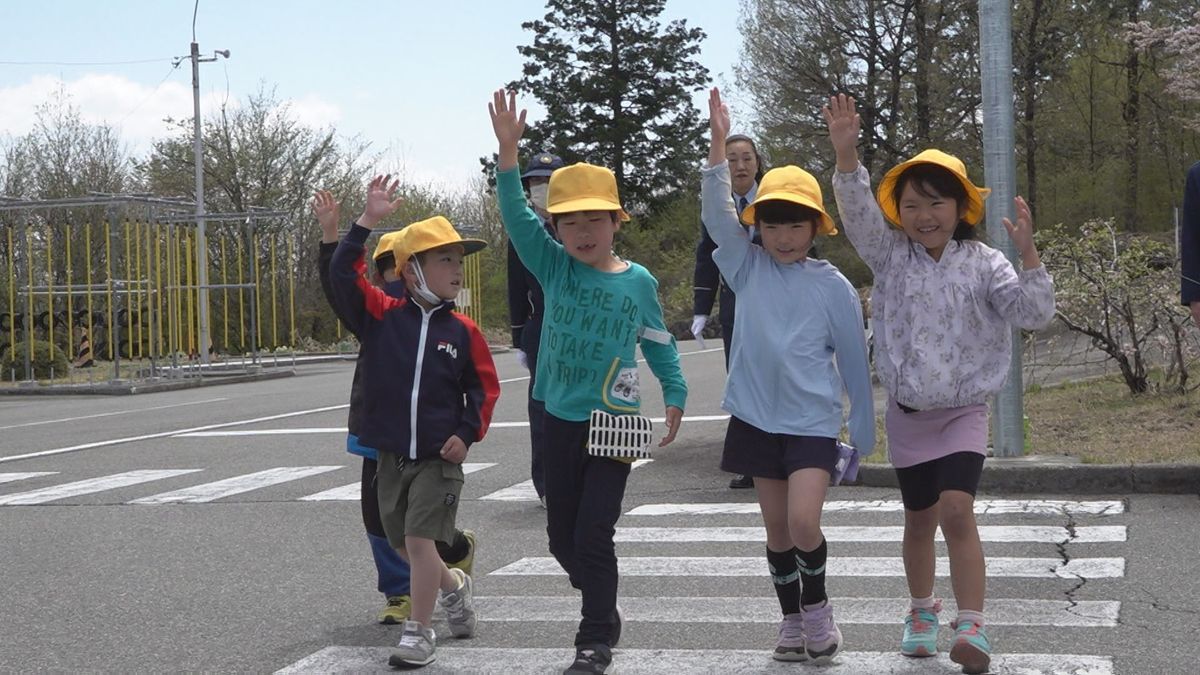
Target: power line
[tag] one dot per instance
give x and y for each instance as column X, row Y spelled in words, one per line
column 80, row 63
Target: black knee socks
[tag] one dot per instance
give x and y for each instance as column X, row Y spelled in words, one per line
column 786, row 577
column 812, row 574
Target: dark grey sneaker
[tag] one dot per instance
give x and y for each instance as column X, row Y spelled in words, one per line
column 590, row 659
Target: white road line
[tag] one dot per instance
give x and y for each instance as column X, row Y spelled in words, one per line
column 698, row 351
column 671, row 566
column 11, row 477
column 353, row 491
column 525, row 492
column 864, row 611
column 208, row 492
column 1043, row 507
column 109, row 414
column 505, row 661
column 90, row 486
column 165, row 434
column 1052, row 534
column 342, row 430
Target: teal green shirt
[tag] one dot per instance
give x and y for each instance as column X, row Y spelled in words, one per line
column 587, row 358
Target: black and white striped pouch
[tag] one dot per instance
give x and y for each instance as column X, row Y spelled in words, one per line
column 620, row 436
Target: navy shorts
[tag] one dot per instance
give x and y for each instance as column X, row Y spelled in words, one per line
column 922, row 485
column 750, row 451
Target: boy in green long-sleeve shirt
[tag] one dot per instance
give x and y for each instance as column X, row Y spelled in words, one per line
column 597, row 308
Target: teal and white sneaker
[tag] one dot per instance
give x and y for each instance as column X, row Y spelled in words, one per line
column 921, row 631
column 971, row 648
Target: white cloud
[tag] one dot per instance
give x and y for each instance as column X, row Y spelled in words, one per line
column 134, row 109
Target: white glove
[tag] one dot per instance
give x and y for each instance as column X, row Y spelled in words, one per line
column 699, row 321
column 522, row 359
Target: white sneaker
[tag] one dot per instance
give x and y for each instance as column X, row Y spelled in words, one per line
column 416, row 648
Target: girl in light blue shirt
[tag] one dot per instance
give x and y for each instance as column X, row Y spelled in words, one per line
column 795, row 317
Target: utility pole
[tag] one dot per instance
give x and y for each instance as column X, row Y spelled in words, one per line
column 1000, row 171
column 201, row 240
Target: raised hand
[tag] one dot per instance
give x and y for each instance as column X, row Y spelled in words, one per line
column 380, row 204
column 508, row 124
column 1022, row 234
column 844, row 127
column 328, row 214
column 718, row 116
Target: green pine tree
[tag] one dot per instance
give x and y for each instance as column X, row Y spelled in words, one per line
column 617, row 87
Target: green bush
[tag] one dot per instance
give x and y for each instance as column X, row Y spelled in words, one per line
column 13, row 361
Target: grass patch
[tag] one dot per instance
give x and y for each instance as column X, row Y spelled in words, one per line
column 1100, row 422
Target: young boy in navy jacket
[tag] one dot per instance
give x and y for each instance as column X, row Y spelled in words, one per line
column 392, row 571
column 429, row 395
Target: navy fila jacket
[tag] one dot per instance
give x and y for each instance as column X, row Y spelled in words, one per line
column 425, row 374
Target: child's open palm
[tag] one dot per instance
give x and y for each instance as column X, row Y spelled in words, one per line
column 508, row 124
column 1022, row 232
column 380, row 204
column 844, row 123
column 326, row 209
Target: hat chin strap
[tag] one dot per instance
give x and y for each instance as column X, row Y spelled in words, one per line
column 422, row 290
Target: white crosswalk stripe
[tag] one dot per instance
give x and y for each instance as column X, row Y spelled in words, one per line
column 208, row 492
column 1043, row 507
column 13, row 477
column 353, row 491
column 870, row 566
column 525, row 492
column 1051, row 534
column 90, row 486
column 872, row 611
column 499, row 661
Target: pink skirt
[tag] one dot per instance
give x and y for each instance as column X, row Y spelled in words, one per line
column 923, row 436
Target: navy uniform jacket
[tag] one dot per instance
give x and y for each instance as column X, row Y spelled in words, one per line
column 526, row 303
column 353, row 422
column 426, row 374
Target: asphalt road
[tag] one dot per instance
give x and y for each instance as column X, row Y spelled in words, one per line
column 263, row 579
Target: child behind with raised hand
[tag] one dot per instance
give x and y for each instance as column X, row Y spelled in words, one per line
column 431, row 391
column 783, row 391
column 943, row 305
column 597, row 307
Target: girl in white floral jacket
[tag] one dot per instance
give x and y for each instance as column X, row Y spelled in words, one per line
column 943, row 306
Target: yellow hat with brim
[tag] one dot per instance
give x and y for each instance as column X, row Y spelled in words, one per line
column 887, row 187
column 431, row 233
column 584, row 187
column 386, row 242
column 795, row 185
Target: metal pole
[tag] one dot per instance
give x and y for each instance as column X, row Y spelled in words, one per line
column 995, row 49
column 114, row 326
column 201, row 240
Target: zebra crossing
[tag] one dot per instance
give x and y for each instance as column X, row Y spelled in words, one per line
column 658, row 545
column 655, row 597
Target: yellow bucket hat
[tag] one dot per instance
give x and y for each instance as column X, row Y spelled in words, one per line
column 975, row 194
column 386, row 242
column 428, row 234
column 795, row 185
column 584, row 187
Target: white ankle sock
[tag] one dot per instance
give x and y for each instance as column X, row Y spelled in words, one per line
column 922, row 603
